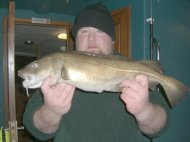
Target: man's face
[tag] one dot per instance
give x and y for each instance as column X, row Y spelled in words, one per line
column 93, row 40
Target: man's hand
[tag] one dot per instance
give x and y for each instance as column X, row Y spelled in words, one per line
column 57, row 98
column 57, row 102
column 150, row 118
column 135, row 94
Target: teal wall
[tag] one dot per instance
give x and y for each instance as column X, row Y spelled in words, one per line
column 172, row 30
column 2, row 13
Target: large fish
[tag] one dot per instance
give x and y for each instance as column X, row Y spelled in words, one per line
column 92, row 72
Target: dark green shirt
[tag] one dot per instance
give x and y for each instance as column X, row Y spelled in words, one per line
column 93, row 117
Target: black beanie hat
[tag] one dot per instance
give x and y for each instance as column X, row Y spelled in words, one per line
column 96, row 16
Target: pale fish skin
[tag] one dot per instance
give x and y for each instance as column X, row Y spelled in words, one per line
column 96, row 73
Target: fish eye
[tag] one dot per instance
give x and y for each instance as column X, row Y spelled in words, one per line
column 34, row 64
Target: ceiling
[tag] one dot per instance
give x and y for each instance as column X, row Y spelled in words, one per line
column 32, row 40
column 68, row 7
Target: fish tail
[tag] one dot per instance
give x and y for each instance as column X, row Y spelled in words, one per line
column 174, row 89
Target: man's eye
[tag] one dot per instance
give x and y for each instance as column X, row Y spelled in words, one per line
column 84, row 31
column 100, row 31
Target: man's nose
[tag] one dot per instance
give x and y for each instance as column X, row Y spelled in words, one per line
column 92, row 36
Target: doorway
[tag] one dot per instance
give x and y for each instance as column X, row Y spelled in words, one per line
column 32, row 41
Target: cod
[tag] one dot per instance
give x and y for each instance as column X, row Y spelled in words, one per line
column 97, row 73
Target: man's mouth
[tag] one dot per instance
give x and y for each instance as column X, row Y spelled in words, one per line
column 92, row 47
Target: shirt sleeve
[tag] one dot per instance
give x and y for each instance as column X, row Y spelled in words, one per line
column 33, row 104
column 159, row 98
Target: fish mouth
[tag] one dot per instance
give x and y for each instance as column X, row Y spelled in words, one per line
column 29, row 81
column 30, row 84
column 21, row 75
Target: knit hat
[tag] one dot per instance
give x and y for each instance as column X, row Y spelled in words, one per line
column 97, row 16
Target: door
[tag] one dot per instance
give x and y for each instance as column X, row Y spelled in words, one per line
column 40, row 34
column 121, row 19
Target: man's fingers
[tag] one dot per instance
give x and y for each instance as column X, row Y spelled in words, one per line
column 47, row 81
column 142, row 79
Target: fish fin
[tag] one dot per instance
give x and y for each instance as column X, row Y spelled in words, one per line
column 113, row 56
column 174, row 90
column 153, row 85
column 156, row 65
column 118, row 57
column 57, row 67
column 87, row 53
column 57, row 64
column 59, row 70
column 114, row 89
column 64, row 73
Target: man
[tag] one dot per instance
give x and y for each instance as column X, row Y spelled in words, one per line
column 68, row 114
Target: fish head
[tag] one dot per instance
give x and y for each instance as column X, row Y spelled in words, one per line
column 35, row 72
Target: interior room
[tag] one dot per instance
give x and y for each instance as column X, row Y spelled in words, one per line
column 140, row 26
